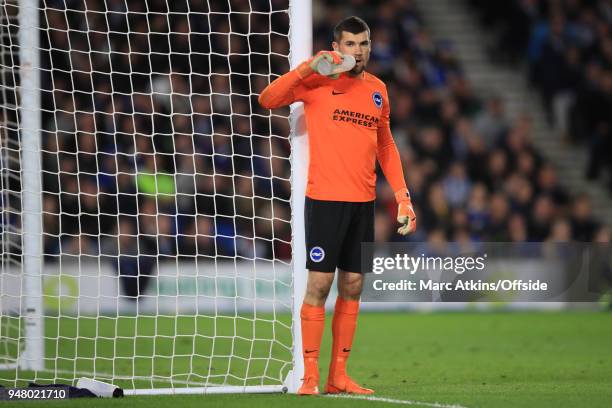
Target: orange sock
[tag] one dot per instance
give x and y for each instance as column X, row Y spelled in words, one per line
column 343, row 330
column 313, row 323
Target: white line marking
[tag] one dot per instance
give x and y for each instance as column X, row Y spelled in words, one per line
column 395, row 401
column 182, row 382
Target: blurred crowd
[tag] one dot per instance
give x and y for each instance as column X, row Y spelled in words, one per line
column 568, row 47
column 472, row 171
column 154, row 143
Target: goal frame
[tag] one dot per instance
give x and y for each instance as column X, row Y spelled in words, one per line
column 32, row 355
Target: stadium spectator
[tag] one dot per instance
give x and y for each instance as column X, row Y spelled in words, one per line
column 584, row 225
column 491, row 124
column 561, row 231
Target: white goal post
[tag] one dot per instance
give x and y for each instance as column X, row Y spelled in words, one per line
column 151, row 213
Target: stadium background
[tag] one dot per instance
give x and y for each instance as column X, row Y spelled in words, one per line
column 473, row 170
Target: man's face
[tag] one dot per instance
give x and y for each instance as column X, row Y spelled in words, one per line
column 357, row 45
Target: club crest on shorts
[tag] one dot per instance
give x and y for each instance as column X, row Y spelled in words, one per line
column 317, row 254
column 378, row 99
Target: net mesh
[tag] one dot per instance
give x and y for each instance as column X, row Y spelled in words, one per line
column 166, row 188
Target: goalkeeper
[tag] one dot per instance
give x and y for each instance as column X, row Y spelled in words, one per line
column 347, row 116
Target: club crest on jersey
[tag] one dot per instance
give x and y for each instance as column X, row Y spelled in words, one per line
column 378, row 99
column 317, row 254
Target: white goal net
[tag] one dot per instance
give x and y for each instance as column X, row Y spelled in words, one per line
column 146, row 221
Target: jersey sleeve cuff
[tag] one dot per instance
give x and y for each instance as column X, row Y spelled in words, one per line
column 303, row 70
column 402, row 195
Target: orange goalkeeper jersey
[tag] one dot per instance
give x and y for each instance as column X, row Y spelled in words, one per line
column 348, row 128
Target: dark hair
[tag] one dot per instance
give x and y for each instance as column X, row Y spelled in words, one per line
column 352, row 24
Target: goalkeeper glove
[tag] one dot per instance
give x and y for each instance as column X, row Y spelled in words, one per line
column 405, row 212
column 327, row 63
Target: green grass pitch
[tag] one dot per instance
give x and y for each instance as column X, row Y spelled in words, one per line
column 544, row 359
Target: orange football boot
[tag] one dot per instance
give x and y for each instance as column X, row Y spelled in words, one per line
column 345, row 384
column 310, row 386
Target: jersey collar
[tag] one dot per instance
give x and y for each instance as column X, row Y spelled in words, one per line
column 358, row 77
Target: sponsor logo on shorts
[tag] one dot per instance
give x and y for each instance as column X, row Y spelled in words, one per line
column 378, row 99
column 317, row 254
